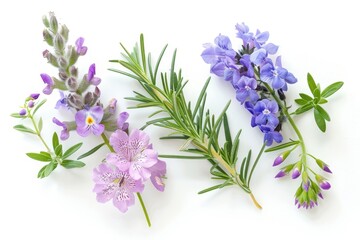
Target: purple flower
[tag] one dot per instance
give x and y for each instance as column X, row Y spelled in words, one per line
column 323, row 184
column 243, row 33
column 34, row 96
column 91, row 76
column 265, row 111
column 280, row 174
column 246, row 88
column 62, row 102
column 80, row 49
column 31, row 104
column 132, row 153
column 50, row 83
column 270, row 136
column 65, row 131
column 121, row 121
column 278, row 160
column 246, row 67
column 157, row 173
column 306, row 185
column 295, row 173
column 277, row 76
column 88, row 120
column 327, row 169
column 112, row 183
column 22, row 112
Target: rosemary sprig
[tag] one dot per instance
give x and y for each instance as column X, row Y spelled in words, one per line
column 196, row 125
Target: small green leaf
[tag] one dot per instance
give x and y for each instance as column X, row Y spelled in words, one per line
column 55, row 140
column 322, row 101
column 58, row 150
column 71, row 150
column 39, row 157
column 49, row 168
column 225, row 184
column 323, row 113
column 311, row 83
column 331, row 89
column 17, row 115
column 22, row 128
column 301, row 101
column 304, row 108
column 38, row 106
column 317, row 93
column 282, row 146
column 40, row 124
column 93, row 150
column 305, row 97
column 182, row 156
column 72, row 164
column 41, row 172
column 320, row 121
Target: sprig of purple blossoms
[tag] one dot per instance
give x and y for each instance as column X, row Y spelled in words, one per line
column 260, row 84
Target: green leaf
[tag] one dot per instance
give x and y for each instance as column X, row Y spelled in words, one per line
column 39, row 157
column 182, row 156
column 282, row 146
column 331, row 89
column 311, row 83
column 323, row 113
column 72, row 164
column 40, row 124
column 304, row 108
column 38, row 106
column 322, row 101
column 49, row 168
column 305, row 97
column 320, row 121
column 17, row 115
column 91, row 151
column 225, row 184
column 22, row 128
column 58, row 150
column 55, row 140
column 317, row 93
column 41, row 172
column 301, row 101
column 71, row 150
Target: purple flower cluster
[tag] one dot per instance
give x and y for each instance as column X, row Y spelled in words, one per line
column 125, row 170
column 251, row 71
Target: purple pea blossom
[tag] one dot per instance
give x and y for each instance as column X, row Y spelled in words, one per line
column 50, row 83
column 112, row 183
column 91, row 76
column 246, row 89
column 88, row 120
column 62, row 102
column 65, row 131
column 132, row 153
column 80, row 49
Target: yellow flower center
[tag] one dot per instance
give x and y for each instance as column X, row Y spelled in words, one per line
column 90, row 120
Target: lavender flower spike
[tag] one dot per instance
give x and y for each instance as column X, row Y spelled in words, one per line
column 88, row 120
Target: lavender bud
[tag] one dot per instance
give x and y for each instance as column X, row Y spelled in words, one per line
column 46, row 21
column 73, row 56
column 74, row 71
column 31, row 104
column 62, row 74
column 64, row 32
column 295, row 173
column 97, row 92
column 71, row 84
column 48, row 37
column 51, row 58
column 34, row 96
column 89, row 99
column 280, row 174
column 53, row 22
column 22, row 112
column 75, row 101
column 62, row 62
column 59, row 44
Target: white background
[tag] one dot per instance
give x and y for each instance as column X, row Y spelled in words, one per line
column 321, row 37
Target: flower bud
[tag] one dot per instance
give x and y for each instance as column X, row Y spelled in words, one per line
column 281, row 158
column 53, row 22
column 323, row 166
column 48, row 37
column 34, row 96
column 62, row 62
column 64, row 32
column 62, row 74
column 71, row 84
column 280, row 174
column 73, row 71
column 75, row 101
column 46, row 21
column 73, row 56
column 31, row 104
column 323, row 184
column 51, row 58
column 59, row 44
column 89, row 99
column 297, row 170
column 22, row 112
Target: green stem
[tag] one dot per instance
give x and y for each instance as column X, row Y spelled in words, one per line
column 106, row 141
column 38, row 131
column 292, row 123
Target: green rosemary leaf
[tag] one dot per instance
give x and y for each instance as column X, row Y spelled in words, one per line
column 247, row 164
column 225, row 184
column 91, row 151
column 282, row 146
column 181, row 156
column 71, row 150
column 143, row 54
column 22, row 128
column 158, row 62
column 125, row 73
column 331, row 89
